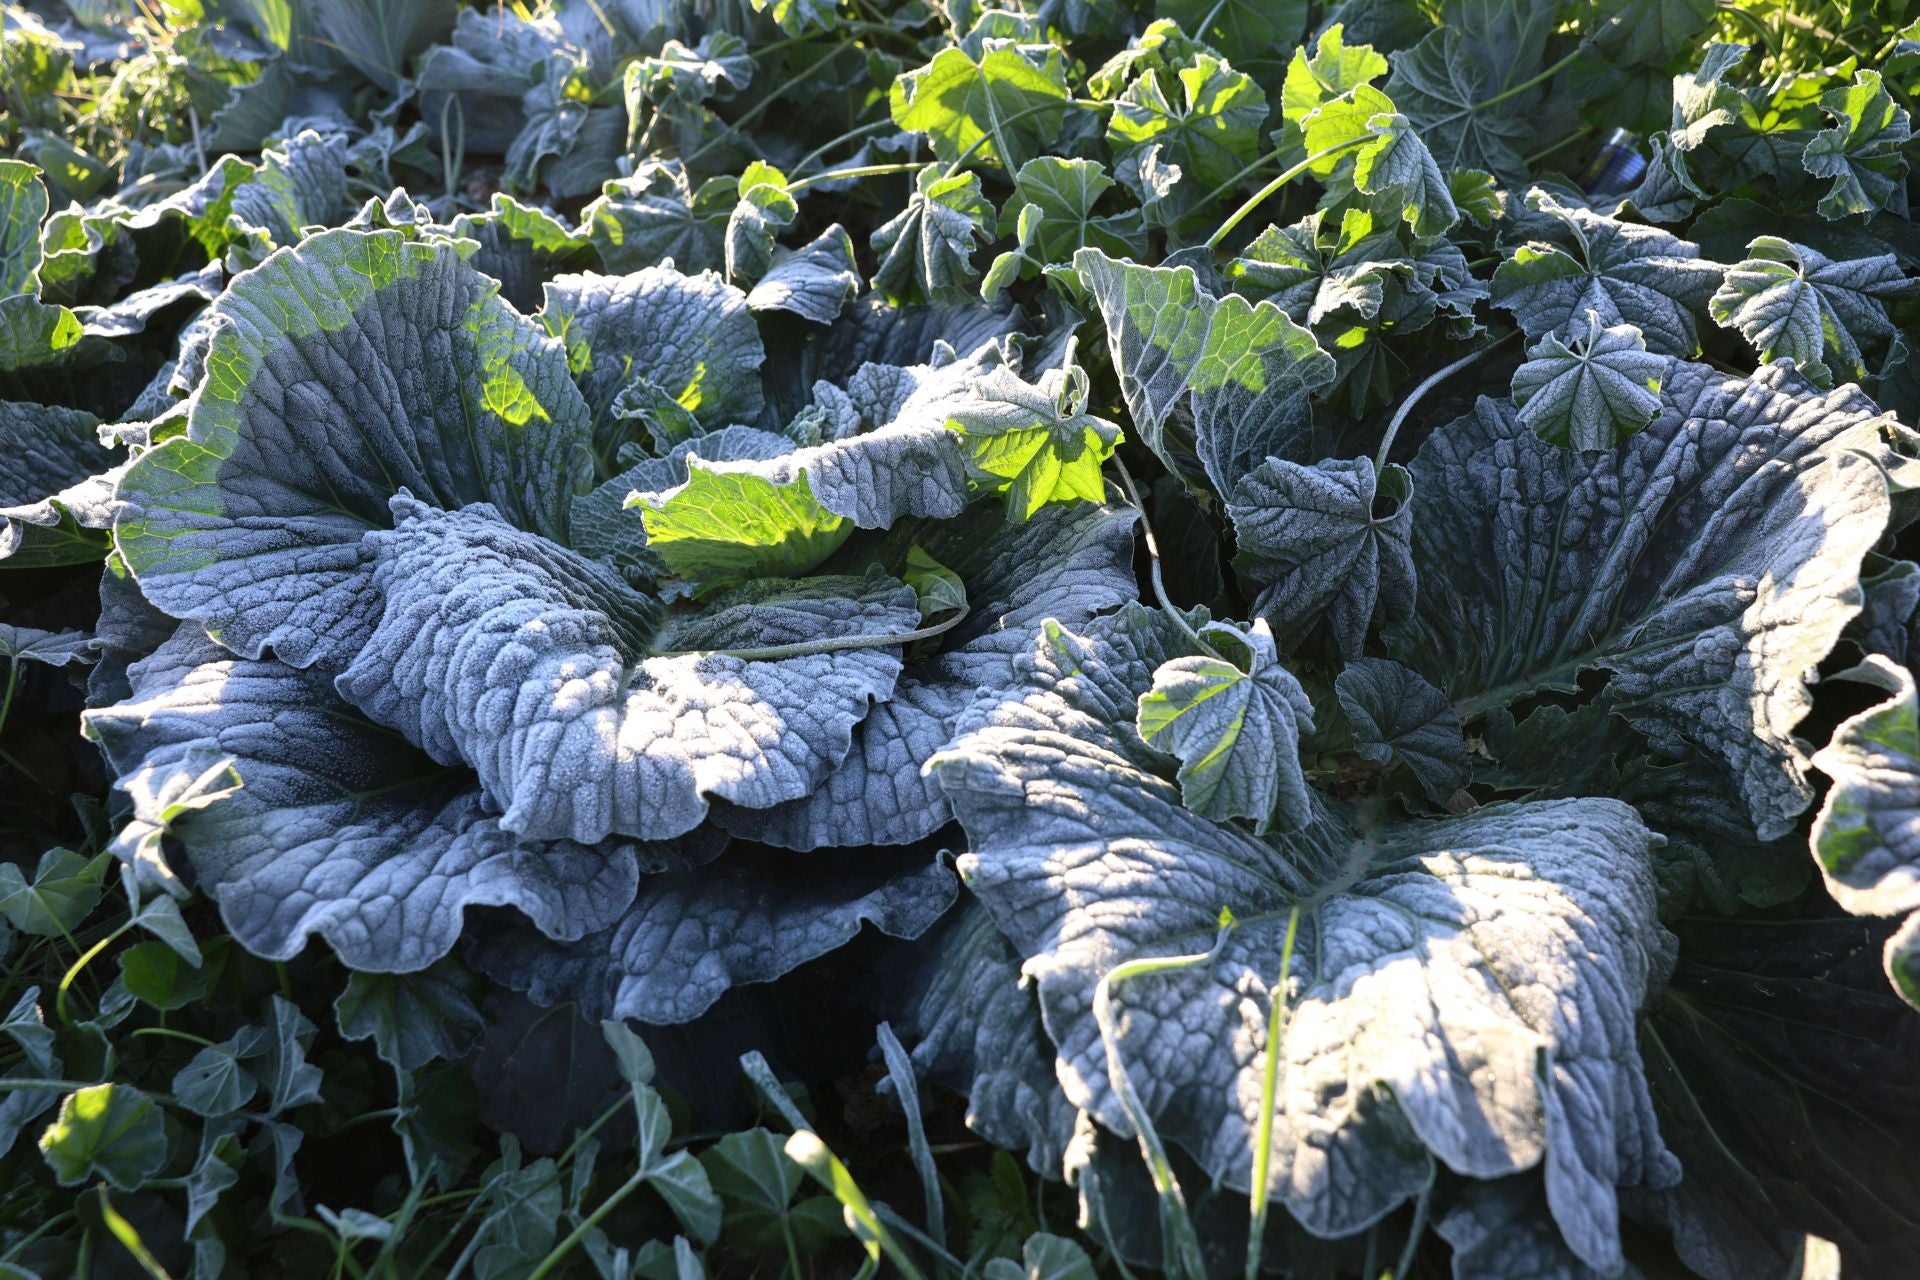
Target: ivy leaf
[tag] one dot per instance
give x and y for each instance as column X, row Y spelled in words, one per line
column 1864, row 153
column 966, row 107
column 1593, row 393
column 1795, row 303
column 110, row 1131
column 1035, row 443
column 723, row 527
column 1235, row 723
column 1328, row 545
column 925, row 251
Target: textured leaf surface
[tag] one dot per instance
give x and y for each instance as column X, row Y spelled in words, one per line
column 341, row 372
column 813, row 282
column 110, row 1131
column 1236, row 729
column 49, row 499
column 925, row 252
column 1709, row 564
column 1240, row 372
column 963, row 104
column 1398, row 717
column 532, row 665
column 720, row 527
column 1864, row 152
column 1035, row 443
column 338, row 829
column 688, row 938
column 1793, row 302
column 1468, row 995
column 1321, row 550
column 1593, row 393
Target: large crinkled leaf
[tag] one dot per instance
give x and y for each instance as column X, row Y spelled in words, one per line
column 1709, row 564
column 1463, row 990
column 23, row 206
column 523, row 248
column 1864, row 153
column 692, row 338
column 1068, row 563
column 690, row 937
column 966, row 105
column 50, row 500
column 581, row 712
column 1234, row 718
column 1504, row 1228
column 1237, row 373
column 1593, row 393
column 958, row 1001
column 1625, row 273
column 722, row 527
column 1327, row 546
column 1035, row 444
column 341, row 372
column 1866, row 838
column 337, row 828
column 1397, row 717
column 813, row 282
column 1795, row 303
column 652, row 217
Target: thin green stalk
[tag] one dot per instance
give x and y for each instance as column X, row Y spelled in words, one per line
column 172, row 1034
column 588, row 1223
column 129, row 1238
column 859, row 171
column 1153, row 558
column 1058, row 104
column 86, row 957
column 1414, row 1232
column 1259, row 197
column 1269, row 1101
column 758, row 109
column 6, row 700
column 860, row 132
column 831, row 644
column 1432, row 380
column 1528, row 83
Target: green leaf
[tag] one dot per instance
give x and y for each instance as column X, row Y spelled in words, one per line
column 412, row 1018
column 1065, row 193
column 1044, row 1257
column 1035, row 443
column 155, row 973
column 724, row 526
column 291, row 1080
column 1792, row 302
column 765, row 209
column 682, row 1182
column 110, row 1131
column 1209, row 129
column 65, row 887
column 756, row 1182
column 940, row 589
column 925, row 252
column 1398, row 167
column 652, row 217
column 23, row 205
column 1864, row 153
column 797, row 17
column 1235, row 723
column 1333, row 70
column 1246, row 31
column 1462, row 84
column 1592, row 393
column 1477, row 195
column 630, row 1052
column 214, row 1083
column 966, row 106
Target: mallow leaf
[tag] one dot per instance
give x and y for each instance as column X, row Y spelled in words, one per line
column 925, row 252
column 1795, row 303
column 1234, row 718
column 23, row 207
column 1397, row 167
column 965, row 105
column 1460, row 990
column 109, row 1131
column 1864, row 153
column 581, row 711
column 813, row 282
column 653, row 217
column 1592, row 392
column 1333, row 69
column 1067, row 562
column 342, row 371
column 1240, row 373
column 721, row 527
column 1471, row 85
column 52, row 503
column 1328, row 547
column 1866, row 838
column 690, row 937
column 412, row 1018
column 1035, row 443
column 1709, row 564
column 338, row 828
column 1626, row 273
column 1397, row 717
column 1205, row 118
column 1065, row 192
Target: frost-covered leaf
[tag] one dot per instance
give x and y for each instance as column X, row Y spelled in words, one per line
column 813, row 282
column 1469, row 995
column 1234, row 720
column 1591, row 393
column 338, row 828
column 1709, row 563
column 1864, row 153
column 110, row 1131
column 962, row 105
column 1328, row 547
column 1505, row 1228
column 925, row 251
column 1065, row 192
column 51, row 503
column 1627, row 274
column 1035, row 443
column 1238, row 372
column 52, row 648
column 1204, row 118
column 1795, row 303
column 1398, row 717
column 652, row 217
column 412, row 1018
column 691, row 337
column 690, row 937
column 523, row 248
column 1397, row 167
column 1471, row 88
column 723, row 527
column 342, row 371
column 23, row 207
column 765, row 209
column 619, row 724
column 1068, row 563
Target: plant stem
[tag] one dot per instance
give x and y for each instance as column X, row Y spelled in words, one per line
column 1259, row 197
column 592, row 1220
column 1413, row 397
column 1269, row 1099
column 860, row 171
column 1153, row 558
column 831, row 143
column 86, row 957
column 1414, row 1232
column 805, row 648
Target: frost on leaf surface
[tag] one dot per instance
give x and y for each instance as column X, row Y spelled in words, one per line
column 1237, row 373
column 1795, row 303
column 1709, row 564
column 1592, row 393
column 750, row 917
column 585, row 714
column 1327, row 546
column 50, row 491
column 1866, row 839
column 337, row 827
column 1068, row 563
column 1462, row 990
column 342, row 371
column 1398, row 717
